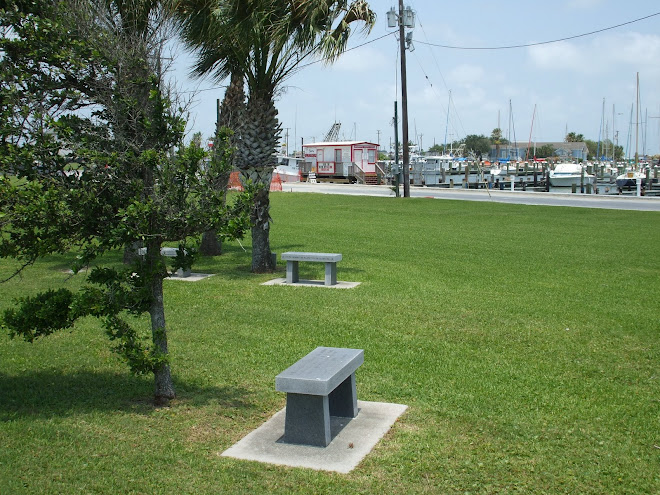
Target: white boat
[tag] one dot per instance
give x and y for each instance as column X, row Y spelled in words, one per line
column 498, row 173
column 288, row 168
column 502, row 170
column 629, row 179
column 567, row 174
column 437, row 163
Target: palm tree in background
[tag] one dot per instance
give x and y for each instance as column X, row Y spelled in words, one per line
column 265, row 41
column 229, row 115
column 496, row 139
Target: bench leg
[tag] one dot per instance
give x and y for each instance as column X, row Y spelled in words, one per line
column 291, row 272
column 307, row 420
column 331, row 273
column 183, row 274
column 343, row 399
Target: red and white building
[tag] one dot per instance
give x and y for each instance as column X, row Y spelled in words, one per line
column 351, row 161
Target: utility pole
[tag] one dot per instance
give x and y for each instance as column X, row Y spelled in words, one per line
column 405, row 18
column 378, row 134
column 404, row 106
column 396, row 150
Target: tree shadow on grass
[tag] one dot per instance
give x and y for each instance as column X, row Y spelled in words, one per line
column 47, row 394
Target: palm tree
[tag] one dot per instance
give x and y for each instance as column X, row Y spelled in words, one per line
column 266, row 41
column 573, row 137
column 229, row 114
column 496, row 139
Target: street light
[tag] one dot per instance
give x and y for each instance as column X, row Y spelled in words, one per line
column 404, row 19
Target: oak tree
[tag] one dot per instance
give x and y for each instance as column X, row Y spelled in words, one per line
column 93, row 159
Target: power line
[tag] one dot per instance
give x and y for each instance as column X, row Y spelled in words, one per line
column 508, row 47
column 302, row 66
column 349, row 49
column 196, row 91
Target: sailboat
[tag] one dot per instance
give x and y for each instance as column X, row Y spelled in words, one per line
column 503, row 166
column 630, row 178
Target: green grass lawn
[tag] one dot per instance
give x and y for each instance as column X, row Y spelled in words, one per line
column 524, row 339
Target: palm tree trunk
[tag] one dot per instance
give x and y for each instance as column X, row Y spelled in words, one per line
column 255, row 156
column 227, row 115
column 211, row 245
column 262, row 259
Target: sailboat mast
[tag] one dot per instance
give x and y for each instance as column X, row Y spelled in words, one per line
column 629, row 138
column 515, row 141
column 637, row 127
column 600, row 131
column 646, row 124
column 447, row 124
column 529, row 143
column 613, row 126
column 508, row 135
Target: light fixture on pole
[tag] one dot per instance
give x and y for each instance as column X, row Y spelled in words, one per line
column 404, row 19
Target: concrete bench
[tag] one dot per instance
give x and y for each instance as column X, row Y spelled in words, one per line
column 320, row 385
column 293, row 257
column 168, row 252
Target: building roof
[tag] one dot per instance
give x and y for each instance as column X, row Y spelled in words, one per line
column 339, row 143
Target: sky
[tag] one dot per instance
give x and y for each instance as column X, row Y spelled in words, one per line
column 535, row 93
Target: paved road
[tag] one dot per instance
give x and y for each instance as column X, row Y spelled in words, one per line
column 496, row 196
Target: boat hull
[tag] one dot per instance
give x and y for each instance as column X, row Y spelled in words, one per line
column 629, row 179
column 569, row 180
column 629, row 182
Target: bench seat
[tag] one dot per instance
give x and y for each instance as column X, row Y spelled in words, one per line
column 168, row 252
column 320, row 385
column 292, row 259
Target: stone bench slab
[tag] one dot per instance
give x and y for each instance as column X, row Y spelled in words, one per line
column 170, row 252
column 303, row 256
column 320, row 371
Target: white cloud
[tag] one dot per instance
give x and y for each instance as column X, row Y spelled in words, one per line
column 601, row 55
column 466, row 74
column 366, row 59
column 561, row 56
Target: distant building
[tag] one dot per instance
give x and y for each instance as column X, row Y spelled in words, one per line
column 562, row 150
column 346, row 161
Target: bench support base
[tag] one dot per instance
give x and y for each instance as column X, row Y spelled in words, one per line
column 308, row 416
column 292, row 272
column 292, row 276
column 331, row 273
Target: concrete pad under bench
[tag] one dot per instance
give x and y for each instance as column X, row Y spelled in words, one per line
column 313, row 283
column 352, row 442
column 192, row 277
column 181, row 274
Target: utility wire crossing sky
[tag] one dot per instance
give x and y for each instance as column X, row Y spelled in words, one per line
column 497, row 60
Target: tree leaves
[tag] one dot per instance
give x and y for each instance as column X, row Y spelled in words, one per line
column 39, row 315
